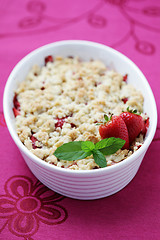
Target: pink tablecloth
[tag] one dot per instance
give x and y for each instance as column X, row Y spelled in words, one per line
column 28, row 210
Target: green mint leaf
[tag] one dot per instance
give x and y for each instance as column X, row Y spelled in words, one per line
column 103, row 143
column 112, row 145
column 79, row 150
column 108, row 142
column 87, row 146
column 71, row 151
column 99, row 158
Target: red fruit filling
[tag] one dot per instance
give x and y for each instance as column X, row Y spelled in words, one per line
column 139, row 146
column 48, row 59
column 124, row 100
column 73, row 125
column 16, row 108
column 34, row 140
column 16, row 112
column 61, row 121
column 97, row 83
column 125, row 77
column 16, row 103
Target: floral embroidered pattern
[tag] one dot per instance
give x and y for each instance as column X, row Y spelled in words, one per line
column 2, row 120
column 26, row 204
column 37, row 18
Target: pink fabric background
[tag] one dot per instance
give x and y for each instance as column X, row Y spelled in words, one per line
column 133, row 28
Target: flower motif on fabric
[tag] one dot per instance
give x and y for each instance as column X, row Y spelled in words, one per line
column 26, row 204
column 2, row 120
column 39, row 16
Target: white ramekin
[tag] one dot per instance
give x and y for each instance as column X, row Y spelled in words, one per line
column 82, row 184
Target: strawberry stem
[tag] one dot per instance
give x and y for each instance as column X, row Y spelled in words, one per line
column 106, row 119
column 134, row 111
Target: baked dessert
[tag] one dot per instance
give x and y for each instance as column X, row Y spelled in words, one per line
column 64, row 100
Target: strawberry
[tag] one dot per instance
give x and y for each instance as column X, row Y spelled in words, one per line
column 134, row 123
column 115, row 127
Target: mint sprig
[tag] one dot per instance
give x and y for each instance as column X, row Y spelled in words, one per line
column 110, row 145
column 99, row 158
column 71, row 151
column 81, row 149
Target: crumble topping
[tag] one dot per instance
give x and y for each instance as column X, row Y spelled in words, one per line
column 62, row 102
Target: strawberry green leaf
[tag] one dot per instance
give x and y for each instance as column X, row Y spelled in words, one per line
column 71, row 151
column 106, row 118
column 133, row 111
column 99, row 124
column 87, row 146
column 99, row 158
